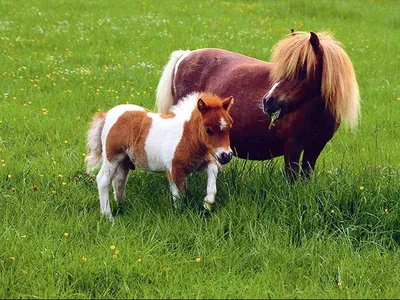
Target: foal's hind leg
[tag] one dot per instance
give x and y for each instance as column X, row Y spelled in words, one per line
column 119, row 181
column 103, row 179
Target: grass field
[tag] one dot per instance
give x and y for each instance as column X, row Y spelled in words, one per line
column 335, row 236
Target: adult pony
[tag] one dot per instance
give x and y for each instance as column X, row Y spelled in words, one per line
column 310, row 82
column 194, row 136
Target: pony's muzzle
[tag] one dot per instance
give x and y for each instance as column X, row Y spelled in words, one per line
column 224, row 157
column 272, row 105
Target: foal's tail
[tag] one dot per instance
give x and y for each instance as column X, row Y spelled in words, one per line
column 165, row 99
column 94, row 157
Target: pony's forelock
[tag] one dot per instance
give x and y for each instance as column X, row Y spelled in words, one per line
column 339, row 84
column 290, row 56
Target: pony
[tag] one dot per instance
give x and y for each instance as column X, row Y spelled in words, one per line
column 310, row 87
column 192, row 136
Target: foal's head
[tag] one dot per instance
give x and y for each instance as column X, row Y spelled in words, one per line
column 216, row 124
column 297, row 74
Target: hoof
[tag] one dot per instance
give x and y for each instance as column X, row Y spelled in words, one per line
column 207, row 206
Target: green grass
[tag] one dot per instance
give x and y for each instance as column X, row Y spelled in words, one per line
column 62, row 61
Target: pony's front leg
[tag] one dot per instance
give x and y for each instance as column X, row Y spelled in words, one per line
column 292, row 152
column 176, row 177
column 212, row 172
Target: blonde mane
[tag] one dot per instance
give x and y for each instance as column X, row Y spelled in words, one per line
column 339, row 85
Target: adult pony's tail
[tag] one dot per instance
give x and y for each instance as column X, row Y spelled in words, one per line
column 94, row 157
column 165, row 99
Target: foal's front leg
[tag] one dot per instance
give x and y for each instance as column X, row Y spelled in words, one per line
column 212, row 172
column 176, row 177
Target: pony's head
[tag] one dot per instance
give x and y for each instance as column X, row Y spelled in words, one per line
column 216, row 124
column 309, row 66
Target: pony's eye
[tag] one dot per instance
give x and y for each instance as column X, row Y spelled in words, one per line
column 209, row 131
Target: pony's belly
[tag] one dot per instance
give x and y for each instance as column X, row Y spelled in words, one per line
column 255, row 154
column 256, row 147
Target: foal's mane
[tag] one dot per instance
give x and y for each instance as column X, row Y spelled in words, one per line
column 188, row 103
column 185, row 106
column 339, row 85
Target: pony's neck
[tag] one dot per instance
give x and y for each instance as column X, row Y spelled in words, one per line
column 194, row 136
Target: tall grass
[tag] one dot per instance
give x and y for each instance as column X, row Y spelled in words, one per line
column 335, row 235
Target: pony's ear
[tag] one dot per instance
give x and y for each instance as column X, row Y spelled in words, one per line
column 202, row 106
column 314, row 41
column 227, row 103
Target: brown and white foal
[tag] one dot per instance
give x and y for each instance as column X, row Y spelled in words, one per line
column 193, row 136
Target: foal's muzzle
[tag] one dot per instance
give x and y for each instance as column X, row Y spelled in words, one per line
column 224, row 157
column 272, row 104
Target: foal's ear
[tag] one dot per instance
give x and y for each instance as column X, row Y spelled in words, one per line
column 314, row 41
column 202, row 106
column 227, row 103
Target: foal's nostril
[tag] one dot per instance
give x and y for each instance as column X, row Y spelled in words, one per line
column 225, row 157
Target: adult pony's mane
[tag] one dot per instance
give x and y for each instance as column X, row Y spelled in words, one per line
column 339, row 85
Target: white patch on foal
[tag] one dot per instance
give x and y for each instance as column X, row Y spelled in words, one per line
column 223, row 123
column 165, row 134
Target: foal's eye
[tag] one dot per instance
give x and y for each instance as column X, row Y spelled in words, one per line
column 209, row 131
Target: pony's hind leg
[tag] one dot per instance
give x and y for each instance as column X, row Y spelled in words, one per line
column 120, row 179
column 103, row 179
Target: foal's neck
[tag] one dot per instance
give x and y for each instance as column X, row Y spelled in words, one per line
column 194, row 135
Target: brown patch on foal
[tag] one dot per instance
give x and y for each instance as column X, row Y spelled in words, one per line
column 167, row 116
column 129, row 133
